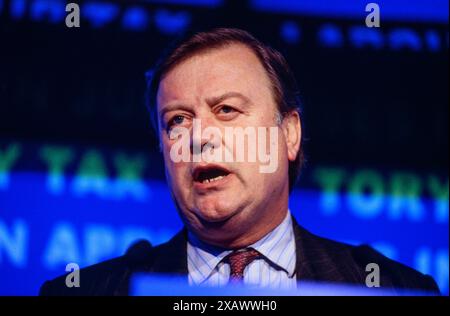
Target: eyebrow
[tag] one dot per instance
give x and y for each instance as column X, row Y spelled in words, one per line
column 211, row 101
column 174, row 107
column 226, row 95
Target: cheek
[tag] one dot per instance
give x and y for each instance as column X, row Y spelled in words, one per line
column 282, row 145
column 277, row 151
column 283, row 153
column 175, row 171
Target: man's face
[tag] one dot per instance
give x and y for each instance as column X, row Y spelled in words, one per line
column 225, row 203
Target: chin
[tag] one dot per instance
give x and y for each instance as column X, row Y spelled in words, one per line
column 221, row 234
column 214, row 213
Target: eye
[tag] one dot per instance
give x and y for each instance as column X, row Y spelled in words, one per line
column 227, row 112
column 176, row 120
column 226, row 109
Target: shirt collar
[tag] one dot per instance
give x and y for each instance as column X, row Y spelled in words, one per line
column 204, row 258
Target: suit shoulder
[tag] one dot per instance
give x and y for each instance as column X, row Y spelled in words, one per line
column 90, row 277
column 397, row 274
column 105, row 278
column 351, row 262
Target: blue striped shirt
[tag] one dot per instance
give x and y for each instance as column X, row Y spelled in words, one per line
column 275, row 269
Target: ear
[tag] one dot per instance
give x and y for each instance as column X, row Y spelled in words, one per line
column 292, row 130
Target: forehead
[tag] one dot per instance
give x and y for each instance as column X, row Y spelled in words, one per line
column 234, row 67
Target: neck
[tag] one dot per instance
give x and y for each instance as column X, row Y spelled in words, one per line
column 251, row 233
column 259, row 231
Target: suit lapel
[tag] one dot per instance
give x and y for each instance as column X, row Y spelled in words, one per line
column 322, row 260
column 303, row 264
column 172, row 256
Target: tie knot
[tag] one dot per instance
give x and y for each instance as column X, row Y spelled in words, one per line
column 239, row 260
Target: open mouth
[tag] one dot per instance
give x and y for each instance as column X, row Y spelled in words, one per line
column 209, row 174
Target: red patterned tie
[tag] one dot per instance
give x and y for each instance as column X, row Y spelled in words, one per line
column 238, row 260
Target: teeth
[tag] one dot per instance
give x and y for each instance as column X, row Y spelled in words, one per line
column 213, row 179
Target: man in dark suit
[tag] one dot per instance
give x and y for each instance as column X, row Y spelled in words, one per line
column 226, row 111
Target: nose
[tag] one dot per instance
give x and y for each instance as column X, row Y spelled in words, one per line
column 206, row 135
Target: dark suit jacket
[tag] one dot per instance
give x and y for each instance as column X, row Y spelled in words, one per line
column 318, row 259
